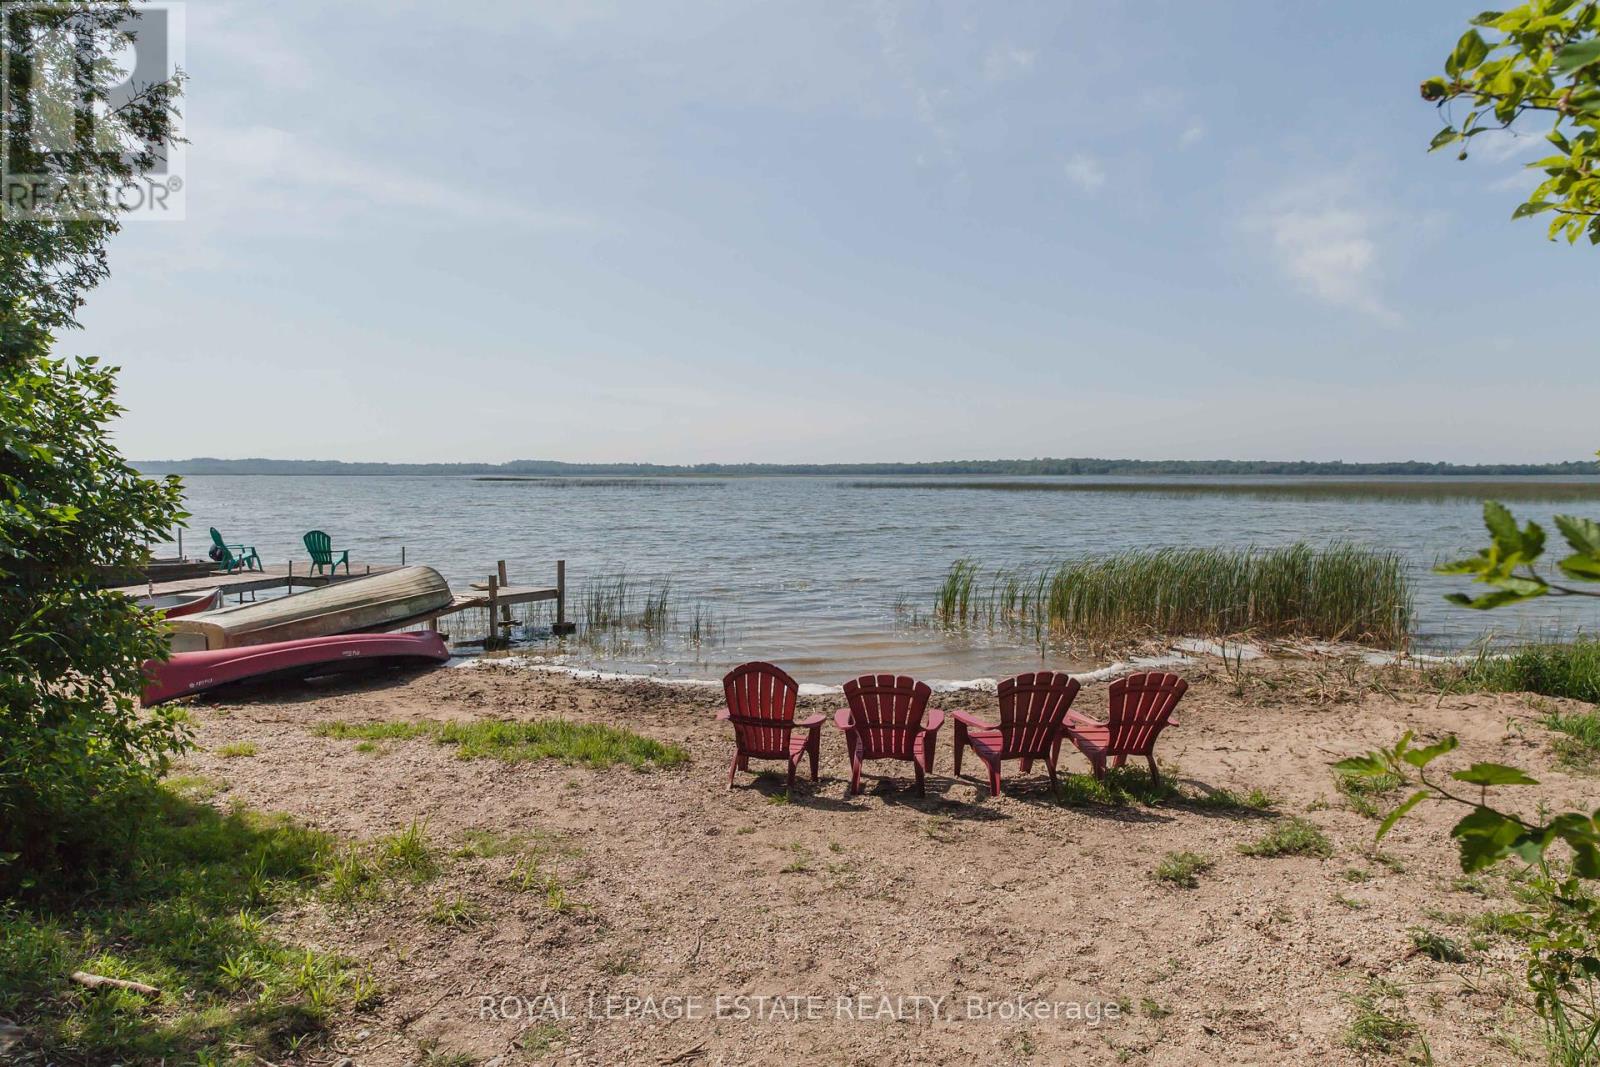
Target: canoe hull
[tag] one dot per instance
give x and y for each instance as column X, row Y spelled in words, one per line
column 187, row 673
column 373, row 602
column 177, row 605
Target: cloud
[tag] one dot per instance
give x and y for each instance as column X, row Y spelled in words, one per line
column 264, row 166
column 1004, row 62
column 1192, row 134
column 1085, row 171
column 1327, row 249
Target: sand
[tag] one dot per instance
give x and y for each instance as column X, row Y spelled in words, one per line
column 889, row 928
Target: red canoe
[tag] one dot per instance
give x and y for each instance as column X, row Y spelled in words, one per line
column 176, row 605
column 195, row 672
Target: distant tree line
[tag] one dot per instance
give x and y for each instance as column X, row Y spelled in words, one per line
column 552, row 468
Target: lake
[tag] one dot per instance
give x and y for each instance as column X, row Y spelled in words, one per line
column 808, row 572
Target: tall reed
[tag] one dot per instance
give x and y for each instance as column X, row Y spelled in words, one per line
column 1341, row 592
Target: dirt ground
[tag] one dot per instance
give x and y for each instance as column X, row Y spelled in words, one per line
column 846, row 912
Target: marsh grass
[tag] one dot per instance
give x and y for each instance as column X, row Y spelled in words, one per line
column 190, row 919
column 1558, row 669
column 590, row 744
column 1440, row 490
column 1342, row 592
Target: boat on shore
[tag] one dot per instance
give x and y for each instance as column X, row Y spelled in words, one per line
column 384, row 601
column 187, row 673
column 177, row 605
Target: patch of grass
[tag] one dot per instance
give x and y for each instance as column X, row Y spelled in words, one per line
column 188, row 918
column 1436, row 946
column 368, row 748
column 1350, row 903
column 1580, row 747
column 409, row 852
column 1290, row 837
column 457, row 911
column 1570, row 669
column 801, row 861
column 1367, row 794
column 1378, row 1020
column 1182, row 869
column 237, row 749
column 1516, row 924
column 512, row 741
column 1356, row 874
column 1340, row 592
column 1152, row 1010
column 1125, row 786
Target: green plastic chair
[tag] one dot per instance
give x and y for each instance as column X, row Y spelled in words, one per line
column 235, row 557
column 320, row 545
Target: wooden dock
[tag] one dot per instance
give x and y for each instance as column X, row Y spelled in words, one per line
column 494, row 594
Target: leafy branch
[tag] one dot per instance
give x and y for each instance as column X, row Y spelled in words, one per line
column 1544, row 59
column 1508, row 564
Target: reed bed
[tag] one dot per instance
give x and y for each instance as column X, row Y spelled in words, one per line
column 1342, row 592
column 602, row 483
column 1438, row 490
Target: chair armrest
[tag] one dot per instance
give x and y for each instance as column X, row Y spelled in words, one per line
column 1081, row 720
column 935, row 720
column 969, row 719
column 811, row 723
column 842, row 719
column 1172, row 723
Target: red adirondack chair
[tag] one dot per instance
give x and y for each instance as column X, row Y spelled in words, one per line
column 885, row 721
column 1141, row 707
column 761, row 701
column 1032, row 709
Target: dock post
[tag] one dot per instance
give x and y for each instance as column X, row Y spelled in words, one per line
column 505, row 609
column 180, row 542
column 562, row 626
column 289, row 583
column 402, row 555
column 492, row 639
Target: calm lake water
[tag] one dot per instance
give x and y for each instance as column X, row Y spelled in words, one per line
column 807, row 571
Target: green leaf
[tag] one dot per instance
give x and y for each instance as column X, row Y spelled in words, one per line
column 1469, row 52
column 1575, row 56
column 1485, row 837
column 1448, row 135
column 1370, row 765
column 1493, row 774
column 1400, row 812
column 1421, row 757
column 1532, row 207
column 1582, row 534
column 1583, row 568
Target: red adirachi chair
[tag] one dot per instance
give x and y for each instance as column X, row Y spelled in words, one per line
column 1032, row 709
column 885, row 721
column 1141, row 707
column 761, row 700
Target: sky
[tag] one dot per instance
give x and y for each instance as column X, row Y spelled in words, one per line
column 829, row 231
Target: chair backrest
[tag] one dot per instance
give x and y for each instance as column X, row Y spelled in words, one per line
column 222, row 546
column 1141, row 704
column 1032, row 707
column 320, row 545
column 761, row 700
column 887, row 713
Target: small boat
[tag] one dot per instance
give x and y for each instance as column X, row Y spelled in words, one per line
column 195, row 672
column 383, row 601
column 176, row 605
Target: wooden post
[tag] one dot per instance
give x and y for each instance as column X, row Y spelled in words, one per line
column 562, row 626
column 493, row 639
column 505, row 609
column 290, row 583
column 402, row 555
column 180, row 543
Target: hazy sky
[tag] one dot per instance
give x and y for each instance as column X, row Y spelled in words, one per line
column 834, row 231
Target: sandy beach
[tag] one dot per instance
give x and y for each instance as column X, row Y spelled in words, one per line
column 677, row 921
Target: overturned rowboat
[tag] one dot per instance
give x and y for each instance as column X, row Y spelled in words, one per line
column 187, row 673
column 177, row 605
column 375, row 602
